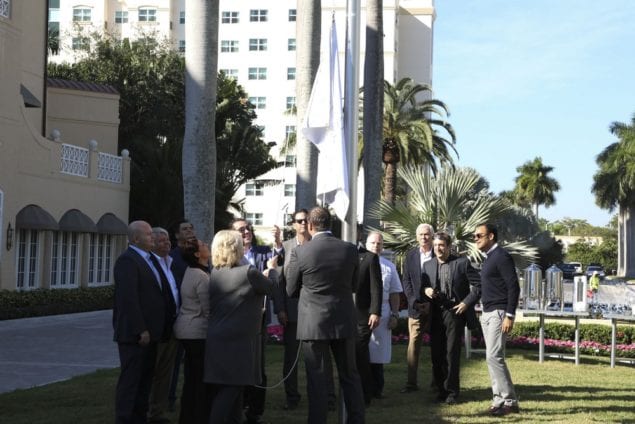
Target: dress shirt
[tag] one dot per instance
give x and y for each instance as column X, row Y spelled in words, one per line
column 146, row 256
column 166, row 264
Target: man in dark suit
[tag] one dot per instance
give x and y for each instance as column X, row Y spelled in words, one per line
column 368, row 303
column 453, row 287
column 141, row 317
column 417, row 318
column 500, row 291
column 324, row 273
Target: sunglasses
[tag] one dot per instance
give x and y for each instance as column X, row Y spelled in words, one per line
column 301, row 221
column 479, row 236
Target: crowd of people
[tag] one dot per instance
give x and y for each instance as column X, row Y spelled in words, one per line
column 337, row 302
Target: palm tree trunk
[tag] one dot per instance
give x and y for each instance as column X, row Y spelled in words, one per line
column 308, row 36
column 535, row 208
column 373, row 107
column 199, row 143
column 626, row 241
column 390, row 180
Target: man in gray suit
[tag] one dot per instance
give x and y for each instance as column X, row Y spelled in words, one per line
column 325, row 273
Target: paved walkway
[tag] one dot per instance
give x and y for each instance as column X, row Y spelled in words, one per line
column 43, row 350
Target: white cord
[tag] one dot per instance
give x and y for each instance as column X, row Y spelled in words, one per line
column 295, row 363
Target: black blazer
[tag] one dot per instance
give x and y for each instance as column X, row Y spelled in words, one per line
column 411, row 281
column 370, row 286
column 139, row 304
column 466, row 283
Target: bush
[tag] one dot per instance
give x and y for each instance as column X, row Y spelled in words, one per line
column 41, row 302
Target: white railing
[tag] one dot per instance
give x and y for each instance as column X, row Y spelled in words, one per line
column 110, row 168
column 5, row 8
column 74, row 160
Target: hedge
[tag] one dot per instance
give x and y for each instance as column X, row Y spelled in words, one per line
column 41, row 302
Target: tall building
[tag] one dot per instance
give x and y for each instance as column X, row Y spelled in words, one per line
column 257, row 44
column 63, row 188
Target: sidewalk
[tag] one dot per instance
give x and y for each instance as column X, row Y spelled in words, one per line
column 43, row 350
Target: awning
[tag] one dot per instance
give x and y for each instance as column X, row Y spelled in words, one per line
column 110, row 224
column 33, row 217
column 29, row 99
column 77, row 221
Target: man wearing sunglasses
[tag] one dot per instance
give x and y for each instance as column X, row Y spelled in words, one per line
column 499, row 296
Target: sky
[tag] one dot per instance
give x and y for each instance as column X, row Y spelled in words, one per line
column 536, row 78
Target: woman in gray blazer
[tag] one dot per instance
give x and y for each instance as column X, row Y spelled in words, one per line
column 232, row 350
column 190, row 329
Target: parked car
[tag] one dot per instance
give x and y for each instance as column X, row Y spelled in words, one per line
column 592, row 268
column 568, row 271
column 578, row 268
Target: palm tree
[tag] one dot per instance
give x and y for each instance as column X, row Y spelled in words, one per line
column 309, row 27
column 534, row 185
column 410, row 133
column 373, row 101
column 199, row 144
column 456, row 201
column 614, row 186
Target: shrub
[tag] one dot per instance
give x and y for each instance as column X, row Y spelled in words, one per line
column 41, row 302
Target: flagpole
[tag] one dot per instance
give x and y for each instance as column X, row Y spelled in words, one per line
column 351, row 113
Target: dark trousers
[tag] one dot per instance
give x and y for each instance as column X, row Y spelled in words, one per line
column 362, row 356
column 226, row 404
column 195, row 401
column 255, row 396
column 135, row 380
column 377, row 371
column 315, row 352
column 291, row 347
column 446, row 330
column 175, row 375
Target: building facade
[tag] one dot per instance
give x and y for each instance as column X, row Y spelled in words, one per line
column 256, row 45
column 63, row 188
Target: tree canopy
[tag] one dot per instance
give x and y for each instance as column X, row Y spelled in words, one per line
column 534, row 185
column 149, row 76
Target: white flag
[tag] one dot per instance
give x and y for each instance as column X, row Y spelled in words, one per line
column 324, row 127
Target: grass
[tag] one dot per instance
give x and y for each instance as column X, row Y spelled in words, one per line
column 556, row 391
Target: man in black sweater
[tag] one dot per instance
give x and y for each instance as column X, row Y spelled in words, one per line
column 499, row 296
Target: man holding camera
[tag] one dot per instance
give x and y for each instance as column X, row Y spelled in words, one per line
column 453, row 287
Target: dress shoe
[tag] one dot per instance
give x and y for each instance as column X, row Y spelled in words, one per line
column 451, row 400
column 409, row 389
column 503, row 410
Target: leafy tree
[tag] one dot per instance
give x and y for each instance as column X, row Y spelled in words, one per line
column 456, row 201
column 414, row 131
column 614, row 187
column 150, row 79
column 534, row 185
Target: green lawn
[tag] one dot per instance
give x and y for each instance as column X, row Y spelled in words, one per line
column 556, row 392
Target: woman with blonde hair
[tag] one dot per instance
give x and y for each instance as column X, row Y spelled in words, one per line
column 232, row 350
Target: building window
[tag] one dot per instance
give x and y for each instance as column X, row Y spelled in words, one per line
column 27, row 266
column 290, row 73
column 121, row 17
column 147, row 15
column 81, row 43
column 229, row 46
column 65, row 259
column 289, row 161
column 292, row 15
column 289, row 130
column 254, row 218
column 5, row 8
column 258, row 102
column 290, row 102
column 257, row 73
column 81, row 14
column 182, row 46
column 257, row 44
column 230, row 73
column 291, row 44
column 254, row 189
column 289, row 190
column 182, row 17
column 258, row 15
column 229, row 17
column 100, row 259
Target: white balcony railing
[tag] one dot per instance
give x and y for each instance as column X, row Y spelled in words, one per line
column 110, row 168
column 74, row 160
